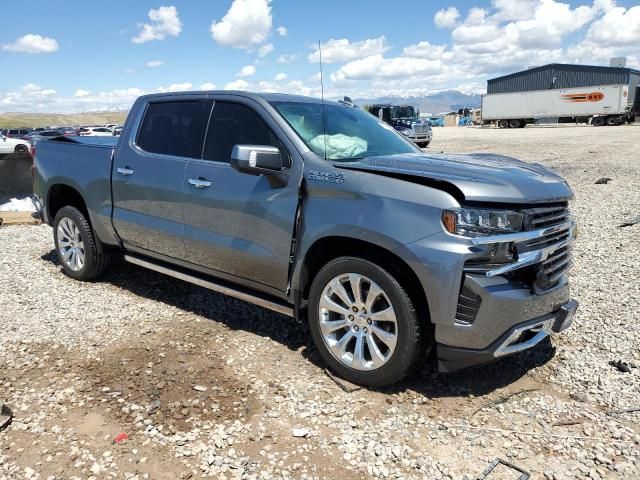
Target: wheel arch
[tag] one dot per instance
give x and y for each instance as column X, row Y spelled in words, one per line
column 60, row 195
column 324, row 249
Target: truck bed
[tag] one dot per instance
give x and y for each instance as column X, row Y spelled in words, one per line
column 66, row 160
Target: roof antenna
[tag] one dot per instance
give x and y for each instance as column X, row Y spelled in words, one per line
column 324, row 124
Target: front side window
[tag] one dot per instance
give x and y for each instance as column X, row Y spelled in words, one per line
column 341, row 132
column 173, row 128
column 235, row 124
column 403, row 112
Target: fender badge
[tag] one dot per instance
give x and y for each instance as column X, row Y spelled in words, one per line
column 326, row 176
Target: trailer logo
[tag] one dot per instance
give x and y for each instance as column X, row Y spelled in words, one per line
column 583, row 97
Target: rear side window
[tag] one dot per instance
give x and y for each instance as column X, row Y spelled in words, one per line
column 235, row 124
column 173, row 128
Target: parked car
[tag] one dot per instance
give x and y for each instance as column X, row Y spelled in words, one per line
column 117, row 131
column 13, row 145
column 319, row 211
column 39, row 135
column 405, row 120
column 66, row 131
column 95, row 132
column 17, row 132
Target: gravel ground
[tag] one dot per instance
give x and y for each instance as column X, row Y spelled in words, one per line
column 207, row 386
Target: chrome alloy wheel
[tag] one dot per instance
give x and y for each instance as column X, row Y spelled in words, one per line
column 70, row 244
column 358, row 322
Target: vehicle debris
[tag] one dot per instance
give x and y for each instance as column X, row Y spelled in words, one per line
column 524, row 475
column 199, row 388
column 343, row 384
column 623, row 367
column 502, row 400
column 6, row 416
column 624, row 410
column 631, row 223
column 300, row 432
column 120, row 438
column 603, row 181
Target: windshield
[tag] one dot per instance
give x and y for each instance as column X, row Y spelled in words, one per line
column 351, row 133
column 403, row 112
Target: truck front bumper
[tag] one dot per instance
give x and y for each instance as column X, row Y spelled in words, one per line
column 518, row 338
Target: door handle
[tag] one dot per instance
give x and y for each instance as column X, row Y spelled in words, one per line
column 125, row 171
column 200, row 182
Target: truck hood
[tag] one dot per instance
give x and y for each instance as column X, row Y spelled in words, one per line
column 476, row 177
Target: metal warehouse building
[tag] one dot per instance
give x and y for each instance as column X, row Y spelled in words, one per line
column 560, row 75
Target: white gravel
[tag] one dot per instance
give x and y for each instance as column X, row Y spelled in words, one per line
column 207, row 386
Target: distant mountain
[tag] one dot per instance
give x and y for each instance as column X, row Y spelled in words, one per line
column 29, row 120
column 441, row 102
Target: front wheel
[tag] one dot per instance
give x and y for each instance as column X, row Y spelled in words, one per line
column 81, row 254
column 20, row 148
column 363, row 322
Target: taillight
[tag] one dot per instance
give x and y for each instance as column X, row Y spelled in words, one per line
column 32, row 151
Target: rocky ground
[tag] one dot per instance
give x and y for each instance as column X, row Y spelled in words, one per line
column 207, row 386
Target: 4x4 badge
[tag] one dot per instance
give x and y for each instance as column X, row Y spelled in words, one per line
column 326, row 176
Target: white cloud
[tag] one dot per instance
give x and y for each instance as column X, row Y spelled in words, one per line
column 265, row 50
column 82, row 93
column 246, row 71
column 31, row 43
column 237, row 85
column 343, row 50
column 246, row 24
column 281, row 77
column 446, row 17
column 208, row 86
column 176, row 87
column 287, row 58
column 282, row 31
column 376, row 66
column 154, row 63
column 616, row 27
column 164, row 22
column 424, row 50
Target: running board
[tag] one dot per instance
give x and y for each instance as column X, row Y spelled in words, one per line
column 216, row 287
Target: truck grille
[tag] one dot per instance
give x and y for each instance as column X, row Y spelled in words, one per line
column 468, row 306
column 419, row 128
column 553, row 268
column 543, row 217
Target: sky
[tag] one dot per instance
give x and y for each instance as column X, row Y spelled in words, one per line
column 83, row 58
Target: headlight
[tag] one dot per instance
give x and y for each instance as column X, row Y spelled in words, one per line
column 406, row 131
column 473, row 222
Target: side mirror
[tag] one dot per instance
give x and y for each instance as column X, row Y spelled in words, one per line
column 257, row 159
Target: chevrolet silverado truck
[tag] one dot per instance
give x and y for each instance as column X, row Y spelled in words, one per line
column 320, row 211
column 405, row 120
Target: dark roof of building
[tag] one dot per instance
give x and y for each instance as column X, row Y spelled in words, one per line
column 568, row 66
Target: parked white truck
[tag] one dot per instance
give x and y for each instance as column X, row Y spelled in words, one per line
column 599, row 105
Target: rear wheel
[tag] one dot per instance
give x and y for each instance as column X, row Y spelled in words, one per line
column 81, row 254
column 21, row 149
column 363, row 322
column 503, row 124
column 613, row 121
column 597, row 121
column 523, row 123
column 514, row 123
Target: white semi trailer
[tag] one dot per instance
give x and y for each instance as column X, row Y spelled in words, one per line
column 600, row 105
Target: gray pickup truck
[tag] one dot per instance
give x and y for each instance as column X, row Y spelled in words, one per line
column 322, row 212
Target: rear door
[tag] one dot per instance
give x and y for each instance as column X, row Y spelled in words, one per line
column 148, row 174
column 241, row 224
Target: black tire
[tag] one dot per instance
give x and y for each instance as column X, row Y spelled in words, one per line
column 503, row 124
column 613, row 121
column 408, row 348
column 96, row 257
column 514, row 123
column 523, row 123
column 597, row 121
column 21, row 149
column 423, row 144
